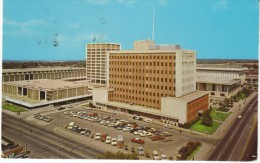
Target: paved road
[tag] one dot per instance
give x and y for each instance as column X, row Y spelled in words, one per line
column 227, row 145
column 57, row 145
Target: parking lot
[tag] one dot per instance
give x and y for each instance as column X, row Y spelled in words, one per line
column 169, row 146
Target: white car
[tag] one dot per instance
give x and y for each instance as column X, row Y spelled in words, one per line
column 108, row 140
column 66, row 113
column 102, row 122
column 168, row 126
column 111, row 124
column 138, row 132
column 126, row 129
column 97, row 136
column 148, row 120
column 239, row 117
column 145, row 133
column 163, row 156
column 114, row 141
column 83, row 132
column 156, row 156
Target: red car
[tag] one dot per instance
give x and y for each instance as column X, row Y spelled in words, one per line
column 137, row 140
column 154, row 138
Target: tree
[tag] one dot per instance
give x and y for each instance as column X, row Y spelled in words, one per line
column 207, row 121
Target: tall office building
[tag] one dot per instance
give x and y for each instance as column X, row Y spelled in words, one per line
column 96, row 56
column 157, row 81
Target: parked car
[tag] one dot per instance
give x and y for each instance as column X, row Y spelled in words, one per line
column 163, row 157
column 83, row 131
column 74, row 129
column 97, row 136
column 88, row 133
column 157, row 137
column 137, row 140
column 156, row 155
column 103, row 137
column 66, row 113
column 127, row 129
column 114, row 141
column 168, row 126
column 108, row 140
column 148, row 120
column 140, row 151
column 165, row 133
column 239, row 117
column 138, row 118
column 79, row 130
column 120, row 141
column 111, row 124
column 102, row 122
column 145, row 133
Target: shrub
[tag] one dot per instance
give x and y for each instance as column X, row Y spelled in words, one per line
column 207, row 121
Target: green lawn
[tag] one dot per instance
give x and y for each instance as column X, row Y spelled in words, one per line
column 13, row 108
column 202, row 128
column 219, row 115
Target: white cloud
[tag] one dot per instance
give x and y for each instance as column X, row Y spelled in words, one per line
column 23, row 27
column 28, row 23
column 74, row 26
column 220, row 5
column 163, row 2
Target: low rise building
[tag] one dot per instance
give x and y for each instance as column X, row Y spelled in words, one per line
column 220, row 82
column 64, row 73
column 35, row 93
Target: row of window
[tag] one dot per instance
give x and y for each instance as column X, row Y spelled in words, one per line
column 121, row 82
column 155, row 72
column 150, row 56
column 155, row 93
column 141, row 63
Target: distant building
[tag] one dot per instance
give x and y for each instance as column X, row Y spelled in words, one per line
column 153, row 81
column 64, row 73
column 35, row 93
column 96, row 58
column 220, row 82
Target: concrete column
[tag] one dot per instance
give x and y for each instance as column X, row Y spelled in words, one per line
column 45, row 99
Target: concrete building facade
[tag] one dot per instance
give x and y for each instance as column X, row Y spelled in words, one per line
column 220, row 82
column 64, row 73
column 145, row 80
column 35, row 93
column 96, row 61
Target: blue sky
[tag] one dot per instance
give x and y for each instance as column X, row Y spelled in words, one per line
column 214, row 28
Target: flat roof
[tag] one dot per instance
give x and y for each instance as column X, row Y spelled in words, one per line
column 215, row 80
column 137, row 108
column 40, row 69
column 191, row 96
column 47, row 84
column 102, row 43
column 149, row 51
column 221, row 69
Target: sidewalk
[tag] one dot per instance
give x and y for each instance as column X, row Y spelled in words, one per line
column 236, row 110
column 206, row 149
